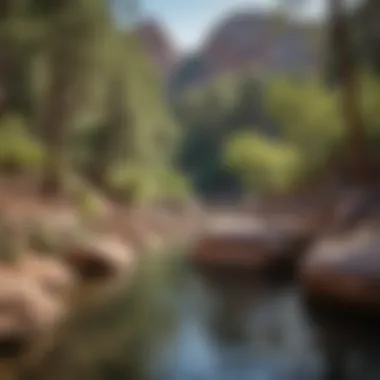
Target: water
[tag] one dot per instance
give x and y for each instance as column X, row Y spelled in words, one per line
column 176, row 324
column 241, row 330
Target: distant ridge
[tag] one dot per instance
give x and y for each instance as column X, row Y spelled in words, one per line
column 158, row 45
column 261, row 40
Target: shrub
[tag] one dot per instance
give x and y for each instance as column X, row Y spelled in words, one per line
column 89, row 203
column 12, row 243
column 44, row 240
column 262, row 163
column 19, row 151
column 144, row 184
column 134, row 183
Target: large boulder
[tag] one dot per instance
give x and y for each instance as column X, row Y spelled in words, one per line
column 51, row 274
column 99, row 256
column 244, row 241
column 26, row 313
column 344, row 268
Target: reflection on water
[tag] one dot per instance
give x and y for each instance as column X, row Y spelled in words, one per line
column 240, row 331
column 175, row 324
column 233, row 333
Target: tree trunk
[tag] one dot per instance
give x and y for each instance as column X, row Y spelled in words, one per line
column 54, row 121
column 350, row 100
column 110, row 133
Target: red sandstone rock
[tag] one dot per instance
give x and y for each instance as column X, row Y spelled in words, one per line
column 345, row 268
column 156, row 43
column 26, row 313
column 101, row 257
column 245, row 241
column 52, row 275
column 27, row 300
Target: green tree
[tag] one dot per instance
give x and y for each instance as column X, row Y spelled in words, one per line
column 263, row 164
column 308, row 116
column 85, row 90
column 73, row 33
column 348, row 70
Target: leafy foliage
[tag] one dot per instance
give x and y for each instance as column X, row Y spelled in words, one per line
column 269, row 133
column 138, row 183
column 309, row 116
column 263, row 164
column 90, row 99
column 19, row 149
column 12, row 242
column 44, row 240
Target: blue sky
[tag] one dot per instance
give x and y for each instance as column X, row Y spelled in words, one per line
column 188, row 20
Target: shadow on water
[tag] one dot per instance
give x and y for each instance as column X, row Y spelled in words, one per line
column 177, row 323
column 245, row 326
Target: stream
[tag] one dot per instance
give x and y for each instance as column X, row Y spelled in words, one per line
column 176, row 323
column 241, row 329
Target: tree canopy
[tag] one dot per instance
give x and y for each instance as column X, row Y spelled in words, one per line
column 284, row 131
column 85, row 91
